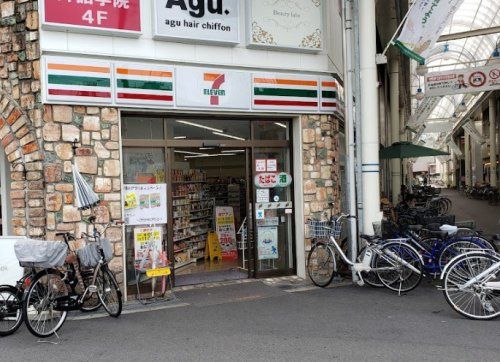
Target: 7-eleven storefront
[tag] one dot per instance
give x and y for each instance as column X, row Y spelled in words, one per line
column 213, row 169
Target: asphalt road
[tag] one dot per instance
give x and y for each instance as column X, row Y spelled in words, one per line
column 254, row 321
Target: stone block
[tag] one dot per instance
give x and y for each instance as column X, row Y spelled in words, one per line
column 64, row 187
column 62, row 114
column 309, row 187
column 101, row 214
column 102, row 185
column 112, row 168
column 70, row 133
column 53, row 202
column 7, row 8
column 109, row 115
column 64, row 151
column 101, row 151
column 115, row 209
column 87, row 164
column 71, row 214
column 91, row 123
column 114, row 234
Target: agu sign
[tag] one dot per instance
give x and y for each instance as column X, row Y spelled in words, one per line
column 99, row 16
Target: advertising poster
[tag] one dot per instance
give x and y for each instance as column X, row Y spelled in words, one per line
column 207, row 21
column 145, row 204
column 148, row 251
column 103, row 16
column 224, row 223
column 267, row 243
column 461, row 81
column 287, row 24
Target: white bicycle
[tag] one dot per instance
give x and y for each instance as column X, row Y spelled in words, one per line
column 471, row 284
column 398, row 265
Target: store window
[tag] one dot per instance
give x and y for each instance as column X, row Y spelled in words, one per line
column 208, row 168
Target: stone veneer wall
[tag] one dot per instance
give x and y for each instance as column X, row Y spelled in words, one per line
column 321, row 167
column 38, row 142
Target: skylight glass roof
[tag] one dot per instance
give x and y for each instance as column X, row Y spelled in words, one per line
column 461, row 53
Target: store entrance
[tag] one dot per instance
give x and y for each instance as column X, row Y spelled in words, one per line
column 209, row 214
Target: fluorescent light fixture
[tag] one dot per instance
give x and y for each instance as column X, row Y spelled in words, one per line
column 233, row 151
column 280, row 124
column 200, row 126
column 180, row 137
column 208, row 155
column 206, row 148
column 188, row 153
column 228, row 136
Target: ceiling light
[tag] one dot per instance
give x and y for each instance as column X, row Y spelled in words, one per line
column 200, row 126
column 422, row 70
column 206, row 148
column 188, row 153
column 180, row 137
column 228, row 136
column 280, row 124
column 446, row 52
column 233, row 151
column 419, row 95
column 213, row 155
column 495, row 57
column 461, row 107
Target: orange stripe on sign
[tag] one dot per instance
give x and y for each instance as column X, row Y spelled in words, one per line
column 78, row 68
column 285, row 81
column 150, row 73
column 328, row 84
column 210, row 77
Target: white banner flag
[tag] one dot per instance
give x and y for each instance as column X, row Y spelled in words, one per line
column 454, row 147
column 460, row 81
column 423, row 111
column 473, row 132
column 425, row 23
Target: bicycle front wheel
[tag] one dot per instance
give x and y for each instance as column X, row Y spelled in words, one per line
column 476, row 301
column 321, row 264
column 109, row 292
column 42, row 304
column 91, row 302
column 399, row 267
column 11, row 306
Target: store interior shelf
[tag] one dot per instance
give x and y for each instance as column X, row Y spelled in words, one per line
column 193, row 211
column 187, row 182
column 184, row 263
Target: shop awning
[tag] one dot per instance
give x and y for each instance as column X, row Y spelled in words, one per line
column 408, row 150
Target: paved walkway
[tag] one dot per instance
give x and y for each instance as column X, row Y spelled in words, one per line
column 487, row 217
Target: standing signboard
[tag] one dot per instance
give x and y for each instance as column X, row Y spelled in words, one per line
column 117, row 17
column 200, row 21
column 145, row 204
column 296, row 25
column 226, row 232
column 148, row 250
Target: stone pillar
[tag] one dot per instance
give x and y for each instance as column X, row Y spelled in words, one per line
column 493, row 140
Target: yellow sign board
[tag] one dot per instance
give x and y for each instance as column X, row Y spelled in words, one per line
column 212, row 247
column 160, row 272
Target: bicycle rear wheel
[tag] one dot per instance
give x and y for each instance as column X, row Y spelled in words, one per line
column 321, row 264
column 11, row 306
column 40, row 307
column 460, row 247
column 401, row 267
column 109, row 293
column 474, row 302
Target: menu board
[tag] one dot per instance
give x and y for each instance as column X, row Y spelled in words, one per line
column 224, row 223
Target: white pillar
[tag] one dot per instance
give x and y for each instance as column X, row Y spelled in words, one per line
column 493, row 141
column 395, row 125
column 369, row 115
column 468, row 168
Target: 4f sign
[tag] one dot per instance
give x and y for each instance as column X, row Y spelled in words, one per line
column 214, row 92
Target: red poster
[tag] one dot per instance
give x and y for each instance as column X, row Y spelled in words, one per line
column 118, row 15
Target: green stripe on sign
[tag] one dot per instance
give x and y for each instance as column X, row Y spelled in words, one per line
column 75, row 80
column 281, row 92
column 329, row 94
column 144, row 84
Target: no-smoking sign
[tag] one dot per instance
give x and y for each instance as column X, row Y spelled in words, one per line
column 477, row 79
column 494, row 73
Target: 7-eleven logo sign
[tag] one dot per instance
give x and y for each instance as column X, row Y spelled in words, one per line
column 216, row 80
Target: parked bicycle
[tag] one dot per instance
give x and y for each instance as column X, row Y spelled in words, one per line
column 471, row 284
column 397, row 265
column 52, row 292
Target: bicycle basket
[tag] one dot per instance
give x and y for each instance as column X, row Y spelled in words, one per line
column 317, row 229
column 336, row 230
column 89, row 255
column 33, row 253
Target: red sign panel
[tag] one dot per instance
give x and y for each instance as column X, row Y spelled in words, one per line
column 117, row 15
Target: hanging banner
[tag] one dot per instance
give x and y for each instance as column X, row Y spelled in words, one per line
column 226, row 232
column 460, row 81
column 425, row 23
column 267, row 243
column 206, row 21
column 423, row 111
column 473, row 132
column 118, row 17
column 454, row 147
column 145, row 204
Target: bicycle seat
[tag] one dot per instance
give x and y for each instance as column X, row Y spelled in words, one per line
column 369, row 237
column 415, row 227
column 437, row 233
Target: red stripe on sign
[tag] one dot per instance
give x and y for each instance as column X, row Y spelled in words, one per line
column 264, row 102
column 329, row 104
column 79, row 93
column 150, row 97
